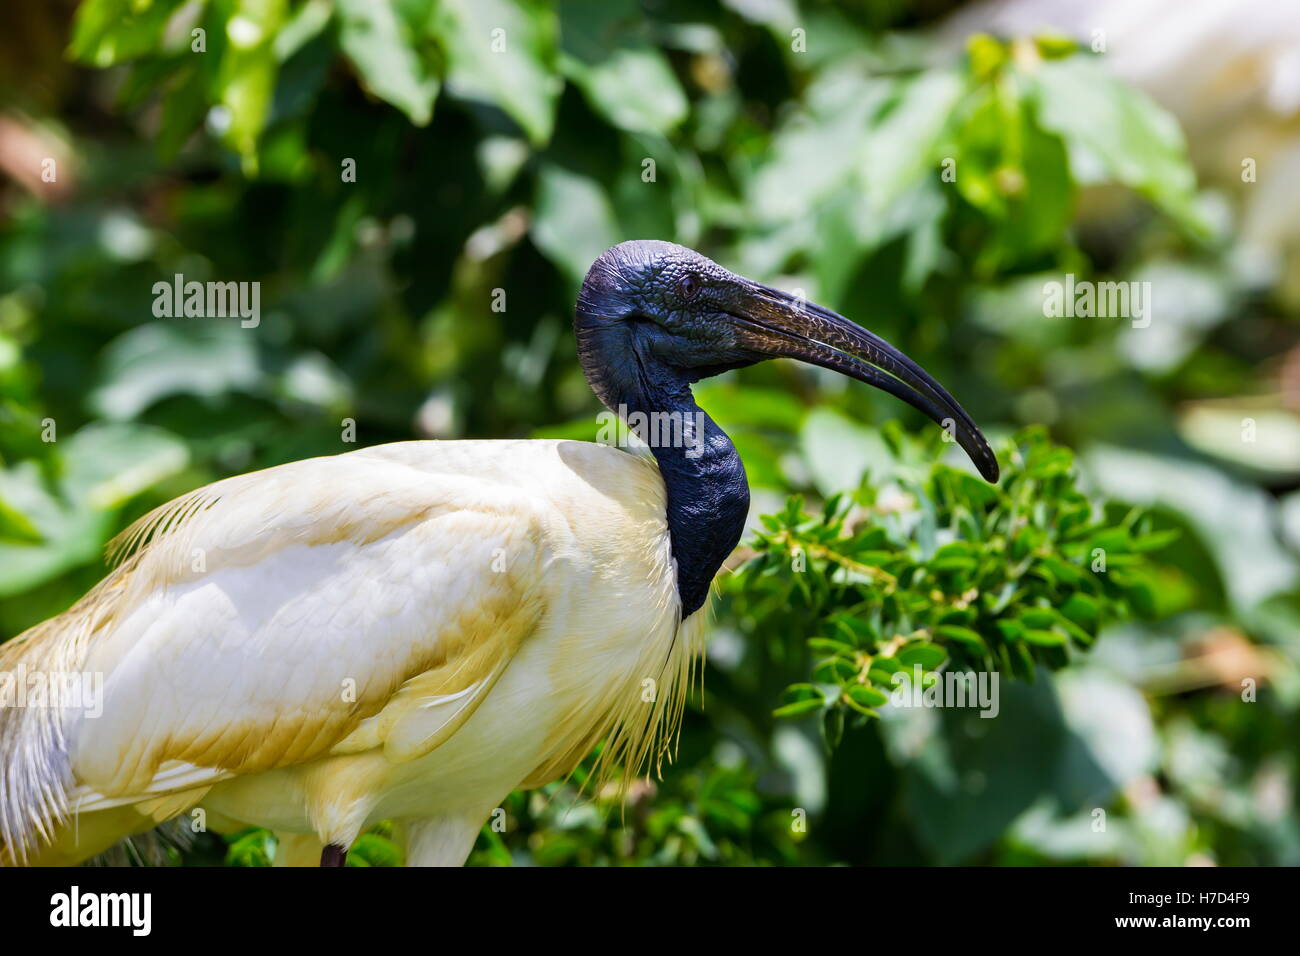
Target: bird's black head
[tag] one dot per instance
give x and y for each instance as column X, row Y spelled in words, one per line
column 651, row 309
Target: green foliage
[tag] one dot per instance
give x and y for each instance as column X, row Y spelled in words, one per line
column 711, row 817
column 700, row 818
column 58, row 514
column 251, row 847
column 896, row 582
column 376, row 848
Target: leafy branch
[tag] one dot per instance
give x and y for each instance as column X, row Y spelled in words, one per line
column 914, row 575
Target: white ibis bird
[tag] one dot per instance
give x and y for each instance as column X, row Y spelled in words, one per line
column 411, row 631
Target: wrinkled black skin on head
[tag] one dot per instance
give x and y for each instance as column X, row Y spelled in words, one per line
column 650, row 322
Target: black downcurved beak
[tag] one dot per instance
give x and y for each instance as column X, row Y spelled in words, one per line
column 776, row 324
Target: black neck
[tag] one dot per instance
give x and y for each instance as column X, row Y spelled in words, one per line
column 708, row 495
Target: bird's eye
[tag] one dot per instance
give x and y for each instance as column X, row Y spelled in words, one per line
column 687, row 286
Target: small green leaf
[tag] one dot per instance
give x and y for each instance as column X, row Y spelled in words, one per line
column 867, row 696
column 1156, row 540
column 883, row 669
column 964, row 636
column 864, row 699
column 798, row 708
column 834, row 670
column 1083, row 611
column 1038, row 618
column 800, row 699
column 1044, row 638
column 922, row 653
column 824, row 645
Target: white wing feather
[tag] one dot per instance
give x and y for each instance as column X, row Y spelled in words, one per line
column 288, row 612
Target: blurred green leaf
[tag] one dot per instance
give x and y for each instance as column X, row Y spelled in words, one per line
column 574, row 223
column 504, row 52
column 106, row 32
column 626, row 79
column 247, row 74
column 15, row 526
column 1118, row 132
column 204, row 357
column 379, row 44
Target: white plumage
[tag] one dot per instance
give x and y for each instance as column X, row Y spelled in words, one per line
column 408, row 632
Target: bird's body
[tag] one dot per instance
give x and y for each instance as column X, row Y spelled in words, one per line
column 411, row 631
column 520, row 610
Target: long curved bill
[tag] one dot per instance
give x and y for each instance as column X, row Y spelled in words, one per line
column 776, row 324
